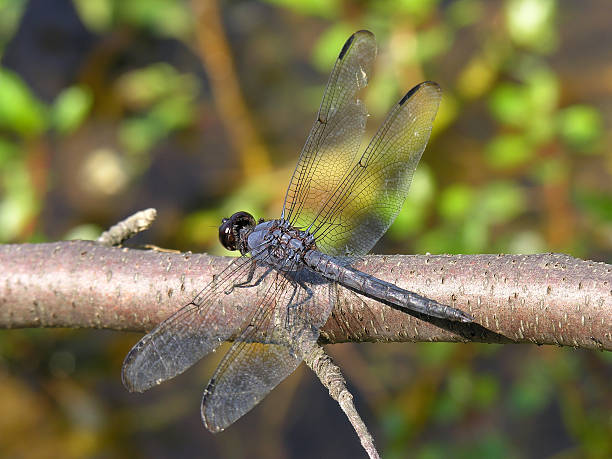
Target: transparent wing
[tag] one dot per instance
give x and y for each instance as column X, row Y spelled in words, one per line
column 332, row 146
column 270, row 349
column 352, row 217
column 190, row 333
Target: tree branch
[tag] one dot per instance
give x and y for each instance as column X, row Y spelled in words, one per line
column 331, row 377
column 542, row 299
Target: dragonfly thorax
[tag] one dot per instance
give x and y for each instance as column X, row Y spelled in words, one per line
column 280, row 245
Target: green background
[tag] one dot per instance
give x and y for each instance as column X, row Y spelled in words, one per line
column 109, row 106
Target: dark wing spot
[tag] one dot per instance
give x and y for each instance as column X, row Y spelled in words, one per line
column 416, row 88
column 346, row 46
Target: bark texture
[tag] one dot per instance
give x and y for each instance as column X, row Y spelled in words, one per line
column 541, row 299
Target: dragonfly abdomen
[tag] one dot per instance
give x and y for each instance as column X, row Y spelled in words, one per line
column 380, row 290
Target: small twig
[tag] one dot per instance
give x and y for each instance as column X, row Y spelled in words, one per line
column 331, row 377
column 127, row 228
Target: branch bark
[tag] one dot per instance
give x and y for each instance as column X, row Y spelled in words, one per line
column 541, row 299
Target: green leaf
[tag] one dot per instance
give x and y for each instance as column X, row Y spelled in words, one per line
column 447, row 114
column 581, row 126
column 597, row 204
column 440, row 240
column 525, row 242
column 416, row 208
column 95, row 14
column 141, row 134
column 8, row 152
column 551, row 170
column 328, row 46
column 70, row 108
column 383, row 92
column 475, row 233
column 432, row 451
column 10, row 16
column 510, row 104
column 416, row 7
column 465, row 12
column 146, row 86
column 528, row 105
column 508, row 150
column 532, row 391
column 435, row 354
column 18, row 203
column 486, row 390
column 174, row 112
column 492, row 445
column 542, row 88
column 530, row 23
column 19, row 108
column 456, row 201
column 323, row 8
column 85, row 232
column 433, row 42
column 501, row 201
column 163, row 17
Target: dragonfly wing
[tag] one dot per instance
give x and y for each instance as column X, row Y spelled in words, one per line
column 190, row 333
column 362, row 207
column 332, row 147
column 271, row 347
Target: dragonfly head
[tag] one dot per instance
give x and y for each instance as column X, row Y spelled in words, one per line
column 234, row 231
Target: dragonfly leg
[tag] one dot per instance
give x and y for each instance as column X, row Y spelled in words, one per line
column 248, row 282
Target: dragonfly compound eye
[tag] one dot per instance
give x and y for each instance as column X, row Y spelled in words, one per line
column 231, row 229
column 226, row 235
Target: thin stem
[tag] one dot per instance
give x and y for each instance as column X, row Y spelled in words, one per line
column 127, row 228
column 331, row 378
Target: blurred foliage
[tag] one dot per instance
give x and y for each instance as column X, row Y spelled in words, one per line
column 70, row 109
column 164, row 100
column 20, row 111
column 106, row 108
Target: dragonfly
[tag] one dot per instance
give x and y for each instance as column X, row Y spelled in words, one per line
column 339, row 202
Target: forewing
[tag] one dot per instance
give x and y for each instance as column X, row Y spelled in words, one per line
column 276, row 341
column 189, row 334
column 333, row 145
column 365, row 203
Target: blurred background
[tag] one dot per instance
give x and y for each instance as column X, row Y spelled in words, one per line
column 196, row 108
